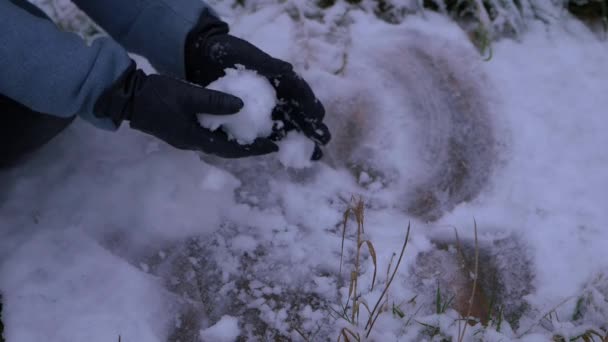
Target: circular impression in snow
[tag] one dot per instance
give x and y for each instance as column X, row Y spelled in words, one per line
column 425, row 135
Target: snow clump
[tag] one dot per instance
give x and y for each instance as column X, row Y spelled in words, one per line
column 295, row 150
column 255, row 119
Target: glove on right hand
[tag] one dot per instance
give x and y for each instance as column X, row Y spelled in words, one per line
column 210, row 50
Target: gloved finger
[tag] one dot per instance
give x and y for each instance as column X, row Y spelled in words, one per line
column 279, row 111
column 320, row 134
column 193, row 99
column 319, row 111
column 200, row 100
column 262, row 146
column 217, row 103
column 291, row 118
column 294, row 91
column 278, row 134
column 317, row 154
column 218, row 143
column 317, row 132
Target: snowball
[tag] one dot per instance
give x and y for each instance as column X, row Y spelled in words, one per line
column 255, row 119
column 295, row 150
column 225, row 330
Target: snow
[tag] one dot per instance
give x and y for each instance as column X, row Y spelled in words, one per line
column 295, row 150
column 115, row 234
column 254, row 120
column 115, row 298
column 225, row 330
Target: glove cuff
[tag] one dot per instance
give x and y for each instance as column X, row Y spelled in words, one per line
column 115, row 103
column 208, row 25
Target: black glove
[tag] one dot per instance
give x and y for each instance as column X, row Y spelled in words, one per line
column 210, row 50
column 166, row 108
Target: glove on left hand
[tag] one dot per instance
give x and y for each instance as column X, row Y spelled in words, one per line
column 166, row 108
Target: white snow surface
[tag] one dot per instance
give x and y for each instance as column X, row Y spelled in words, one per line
column 116, row 234
column 254, row 120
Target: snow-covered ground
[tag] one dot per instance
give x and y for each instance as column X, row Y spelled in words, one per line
column 116, row 234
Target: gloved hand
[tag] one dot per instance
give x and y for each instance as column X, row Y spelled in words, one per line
column 210, row 50
column 166, row 108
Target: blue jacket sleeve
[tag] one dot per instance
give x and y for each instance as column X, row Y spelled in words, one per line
column 156, row 29
column 55, row 72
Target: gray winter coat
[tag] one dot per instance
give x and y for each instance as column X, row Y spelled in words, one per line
column 56, row 72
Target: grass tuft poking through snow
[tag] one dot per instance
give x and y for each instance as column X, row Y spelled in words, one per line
column 351, row 310
column 475, row 275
